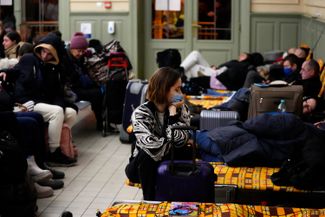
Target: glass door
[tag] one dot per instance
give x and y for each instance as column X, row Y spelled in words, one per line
column 209, row 26
column 167, row 19
column 40, row 15
column 214, row 19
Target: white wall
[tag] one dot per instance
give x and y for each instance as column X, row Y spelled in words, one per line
column 309, row 8
column 276, row 6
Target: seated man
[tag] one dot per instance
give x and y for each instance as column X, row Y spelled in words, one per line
column 39, row 77
column 311, row 86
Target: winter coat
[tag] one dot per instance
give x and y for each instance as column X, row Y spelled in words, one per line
column 77, row 74
column 234, row 77
column 311, row 87
column 267, row 140
column 154, row 138
column 40, row 81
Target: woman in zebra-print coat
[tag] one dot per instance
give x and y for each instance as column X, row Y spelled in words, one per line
column 152, row 122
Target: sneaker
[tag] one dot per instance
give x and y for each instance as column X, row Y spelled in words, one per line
column 54, row 184
column 57, row 158
column 43, row 191
column 56, row 173
column 42, row 176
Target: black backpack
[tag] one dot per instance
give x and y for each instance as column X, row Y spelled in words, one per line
column 17, row 191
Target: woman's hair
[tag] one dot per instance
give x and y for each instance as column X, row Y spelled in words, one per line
column 14, row 36
column 25, row 48
column 160, row 83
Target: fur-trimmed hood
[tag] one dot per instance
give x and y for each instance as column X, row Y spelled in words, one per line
column 52, row 43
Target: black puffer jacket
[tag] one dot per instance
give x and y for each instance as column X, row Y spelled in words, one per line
column 266, row 140
column 40, row 81
column 276, row 139
column 234, row 77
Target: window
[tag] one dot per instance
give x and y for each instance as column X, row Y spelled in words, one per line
column 41, row 15
column 168, row 19
column 214, row 19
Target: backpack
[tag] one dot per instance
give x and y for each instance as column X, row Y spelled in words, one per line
column 17, row 191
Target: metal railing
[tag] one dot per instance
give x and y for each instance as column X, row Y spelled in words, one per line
column 43, row 27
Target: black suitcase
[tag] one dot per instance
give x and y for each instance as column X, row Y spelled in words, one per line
column 135, row 95
column 113, row 103
column 210, row 119
column 188, row 181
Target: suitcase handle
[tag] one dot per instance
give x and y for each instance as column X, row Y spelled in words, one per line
column 171, row 164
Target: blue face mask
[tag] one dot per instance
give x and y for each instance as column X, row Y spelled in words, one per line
column 287, row 71
column 177, row 98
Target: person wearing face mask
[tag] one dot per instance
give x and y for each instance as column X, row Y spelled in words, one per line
column 152, row 122
column 288, row 70
column 291, row 68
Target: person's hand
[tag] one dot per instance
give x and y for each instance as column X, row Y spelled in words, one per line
column 177, row 102
column 3, row 76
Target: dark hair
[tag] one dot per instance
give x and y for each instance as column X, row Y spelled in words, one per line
column 293, row 59
column 256, row 59
column 14, row 36
column 160, row 83
column 25, row 48
column 96, row 44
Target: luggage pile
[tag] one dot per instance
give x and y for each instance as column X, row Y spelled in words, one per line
column 111, row 69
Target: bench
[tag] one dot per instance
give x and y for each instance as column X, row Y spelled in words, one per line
column 84, row 109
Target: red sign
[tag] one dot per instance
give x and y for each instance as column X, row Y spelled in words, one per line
column 108, row 4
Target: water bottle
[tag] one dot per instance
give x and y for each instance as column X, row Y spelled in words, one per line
column 282, row 106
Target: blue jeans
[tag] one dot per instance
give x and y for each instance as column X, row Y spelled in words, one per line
column 32, row 133
column 209, row 150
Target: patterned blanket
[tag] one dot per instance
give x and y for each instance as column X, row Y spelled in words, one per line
column 250, row 178
column 161, row 209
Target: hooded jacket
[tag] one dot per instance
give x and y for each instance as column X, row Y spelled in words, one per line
column 38, row 80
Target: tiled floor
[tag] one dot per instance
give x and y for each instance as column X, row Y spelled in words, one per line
column 97, row 180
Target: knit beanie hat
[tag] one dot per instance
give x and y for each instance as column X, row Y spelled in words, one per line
column 78, row 41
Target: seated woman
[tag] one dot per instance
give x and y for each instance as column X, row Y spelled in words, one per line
column 11, row 44
column 78, row 79
column 152, row 122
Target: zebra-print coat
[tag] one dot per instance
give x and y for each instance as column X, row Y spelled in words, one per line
column 155, row 138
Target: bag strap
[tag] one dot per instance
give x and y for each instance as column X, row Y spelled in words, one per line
column 173, row 128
